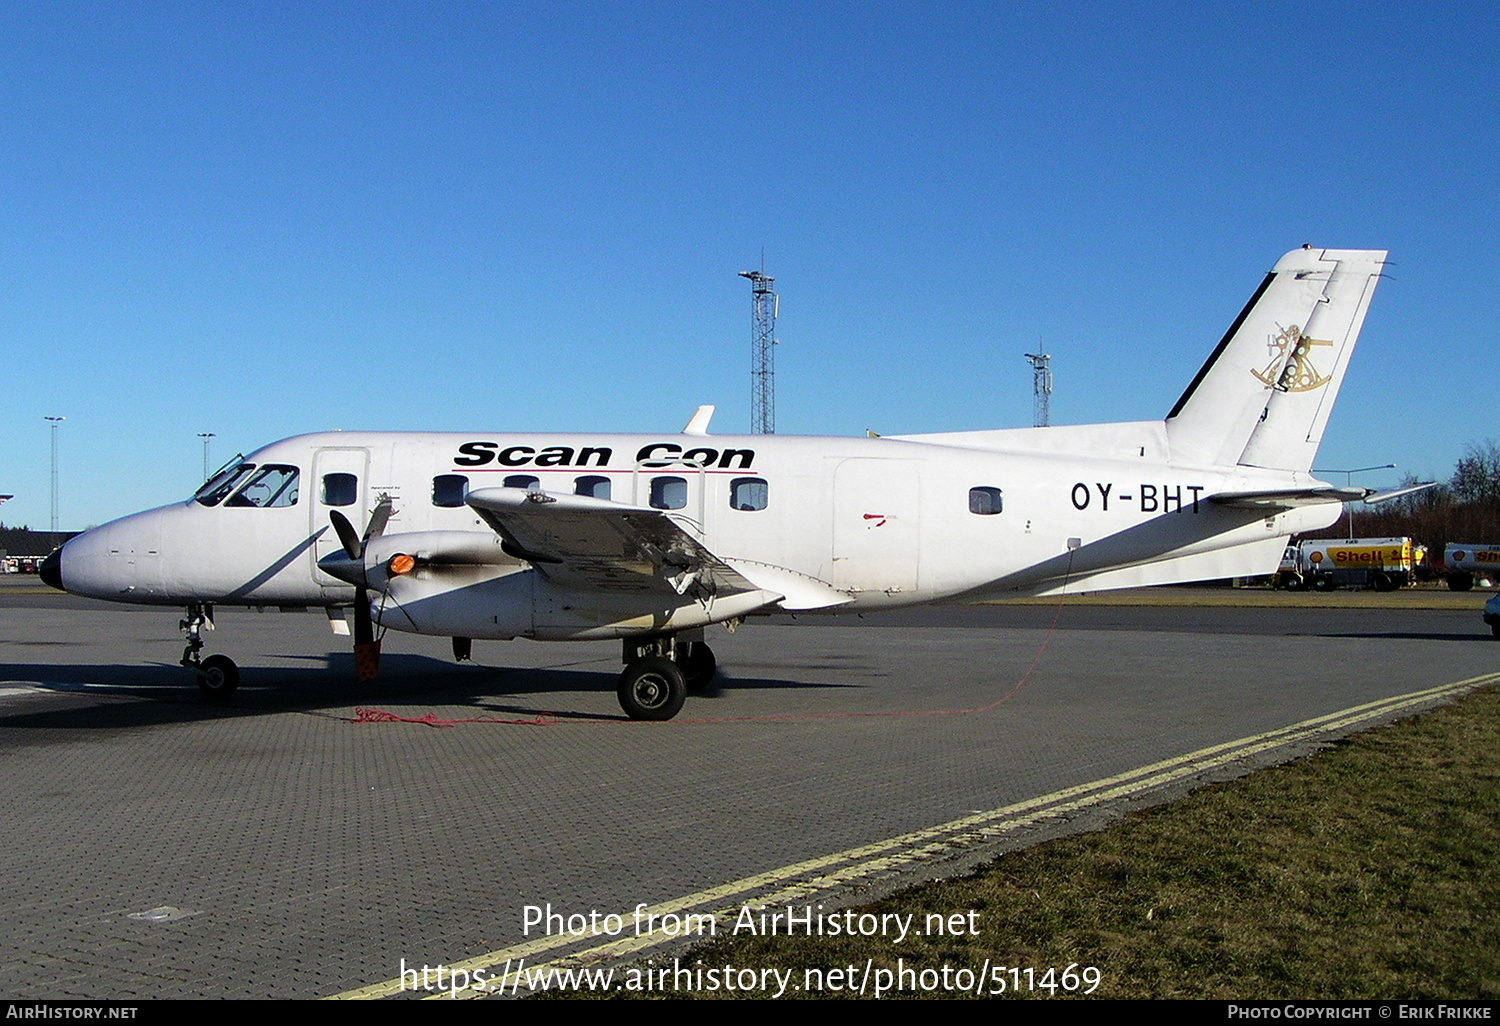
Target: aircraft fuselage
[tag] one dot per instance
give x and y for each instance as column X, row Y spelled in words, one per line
column 862, row 523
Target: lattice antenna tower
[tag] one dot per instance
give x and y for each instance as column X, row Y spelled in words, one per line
column 1041, row 388
column 764, row 305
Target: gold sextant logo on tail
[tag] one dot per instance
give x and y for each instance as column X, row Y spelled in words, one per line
column 1298, row 373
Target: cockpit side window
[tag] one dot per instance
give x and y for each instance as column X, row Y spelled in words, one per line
column 223, row 483
column 273, row 487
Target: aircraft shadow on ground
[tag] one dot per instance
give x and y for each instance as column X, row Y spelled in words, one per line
column 166, row 693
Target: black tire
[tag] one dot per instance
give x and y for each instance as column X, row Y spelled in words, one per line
column 697, row 663
column 1321, row 582
column 1381, row 581
column 1460, row 582
column 218, row 677
column 1294, row 582
column 1495, row 629
column 652, row 688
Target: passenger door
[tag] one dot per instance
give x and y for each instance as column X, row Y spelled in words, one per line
column 339, row 481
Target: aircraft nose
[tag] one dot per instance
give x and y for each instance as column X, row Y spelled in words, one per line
column 51, row 570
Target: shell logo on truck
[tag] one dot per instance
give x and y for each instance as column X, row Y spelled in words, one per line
column 1465, row 562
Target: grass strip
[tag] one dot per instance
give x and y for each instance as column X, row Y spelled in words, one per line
column 1369, row 870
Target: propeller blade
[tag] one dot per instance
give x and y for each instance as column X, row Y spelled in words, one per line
column 353, row 548
column 378, row 518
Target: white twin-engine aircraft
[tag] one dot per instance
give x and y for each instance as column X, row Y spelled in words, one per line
column 651, row 538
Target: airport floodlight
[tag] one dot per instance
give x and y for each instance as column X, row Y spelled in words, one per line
column 1349, row 483
column 55, row 421
column 205, row 435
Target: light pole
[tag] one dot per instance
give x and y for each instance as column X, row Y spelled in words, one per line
column 1349, row 483
column 205, row 435
column 54, row 421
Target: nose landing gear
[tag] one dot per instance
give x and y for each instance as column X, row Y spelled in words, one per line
column 217, row 675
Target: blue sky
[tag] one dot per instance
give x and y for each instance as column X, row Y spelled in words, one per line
column 264, row 219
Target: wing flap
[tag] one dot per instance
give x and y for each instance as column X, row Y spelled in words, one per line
column 582, row 542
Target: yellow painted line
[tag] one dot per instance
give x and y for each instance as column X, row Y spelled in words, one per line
column 882, row 856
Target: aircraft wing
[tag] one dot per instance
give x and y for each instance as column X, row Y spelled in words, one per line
column 579, row 541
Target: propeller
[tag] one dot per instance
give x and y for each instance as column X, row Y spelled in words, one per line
column 366, row 648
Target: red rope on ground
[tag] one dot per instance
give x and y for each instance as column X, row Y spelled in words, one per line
column 363, row 714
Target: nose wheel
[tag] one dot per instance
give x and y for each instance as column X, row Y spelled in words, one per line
column 217, row 675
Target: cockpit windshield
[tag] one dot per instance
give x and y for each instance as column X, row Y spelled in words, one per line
column 273, row 486
column 224, row 482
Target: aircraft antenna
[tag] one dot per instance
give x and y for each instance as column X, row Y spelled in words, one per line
column 764, row 305
column 1041, row 388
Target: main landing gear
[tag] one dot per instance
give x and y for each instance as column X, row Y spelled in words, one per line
column 659, row 673
column 217, row 675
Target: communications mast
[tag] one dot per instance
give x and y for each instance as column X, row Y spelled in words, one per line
column 1041, row 388
column 764, row 304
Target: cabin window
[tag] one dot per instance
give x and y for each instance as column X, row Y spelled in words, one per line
column 273, row 487
column 748, row 493
column 985, row 501
column 522, row 481
column 594, row 487
column 668, row 493
column 340, row 489
column 213, row 492
column 449, row 490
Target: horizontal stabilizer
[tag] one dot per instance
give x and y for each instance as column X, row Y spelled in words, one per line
column 1288, row 498
column 1312, row 495
column 1397, row 493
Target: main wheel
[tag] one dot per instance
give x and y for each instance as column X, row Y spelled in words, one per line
column 218, row 677
column 652, row 688
column 697, row 663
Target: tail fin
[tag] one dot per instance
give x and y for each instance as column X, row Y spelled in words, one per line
column 1289, row 433
column 1263, row 397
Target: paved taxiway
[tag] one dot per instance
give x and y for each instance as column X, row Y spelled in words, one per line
column 307, row 855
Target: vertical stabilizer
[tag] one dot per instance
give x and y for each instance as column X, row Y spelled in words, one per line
column 1291, row 428
column 1214, row 419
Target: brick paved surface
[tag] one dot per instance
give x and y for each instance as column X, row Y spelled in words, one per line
column 306, row 854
